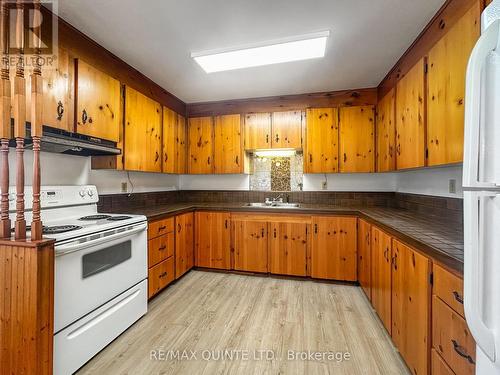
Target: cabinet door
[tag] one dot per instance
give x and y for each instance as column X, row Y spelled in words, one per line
column 364, row 256
column 98, row 103
column 181, row 146
column 411, row 306
column 322, row 141
column 288, row 248
column 143, row 117
column 357, row 139
column 213, row 240
column 228, row 145
column 169, row 140
column 257, row 131
column 333, row 252
column 201, row 148
column 446, row 89
column 287, row 130
column 386, row 133
column 381, row 275
column 184, row 243
column 250, row 245
column 410, row 118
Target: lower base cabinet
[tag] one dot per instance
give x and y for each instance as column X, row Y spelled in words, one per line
column 250, row 245
column 333, row 248
column 184, row 243
column 288, row 248
column 439, row 366
column 381, row 275
column 365, row 256
column 160, row 275
column 213, row 239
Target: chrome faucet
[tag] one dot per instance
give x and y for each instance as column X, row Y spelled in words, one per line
column 274, row 200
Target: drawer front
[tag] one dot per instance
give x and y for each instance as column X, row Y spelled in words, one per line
column 160, row 248
column 449, row 288
column 160, row 276
column 160, row 227
column 451, row 338
column 439, row 366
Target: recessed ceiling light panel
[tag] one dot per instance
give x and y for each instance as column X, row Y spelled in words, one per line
column 303, row 47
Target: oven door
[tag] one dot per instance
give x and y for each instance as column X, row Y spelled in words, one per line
column 91, row 271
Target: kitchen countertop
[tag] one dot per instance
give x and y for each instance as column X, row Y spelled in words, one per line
column 441, row 240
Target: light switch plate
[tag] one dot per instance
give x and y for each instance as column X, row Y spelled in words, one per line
column 452, row 186
column 124, row 187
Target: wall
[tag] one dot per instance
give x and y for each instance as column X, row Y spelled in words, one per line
column 431, row 181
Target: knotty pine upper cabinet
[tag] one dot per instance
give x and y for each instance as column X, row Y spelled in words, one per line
column 201, row 145
column 174, row 142
column 250, row 244
column 386, row 133
column 410, row 118
column 411, row 293
column 447, row 65
column 143, row 133
column 322, row 141
column 288, row 248
column 364, row 256
column 357, row 139
column 333, row 251
column 98, row 103
column 287, row 129
column 381, row 275
column 213, row 239
column 257, row 131
column 58, row 91
column 228, row 144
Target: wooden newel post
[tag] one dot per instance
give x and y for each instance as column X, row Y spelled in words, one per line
column 5, row 129
column 36, row 124
column 20, row 123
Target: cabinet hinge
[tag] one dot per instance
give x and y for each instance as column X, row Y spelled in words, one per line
column 431, row 278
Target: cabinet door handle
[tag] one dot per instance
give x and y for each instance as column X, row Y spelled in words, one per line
column 274, row 232
column 162, row 275
column 225, row 223
column 267, row 138
column 163, row 227
column 178, row 228
column 315, row 228
column 262, row 232
column 208, row 160
column 157, row 156
column 345, row 157
column 85, row 116
column 237, row 160
column 60, row 110
column 277, row 138
column 162, row 248
column 310, row 158
column 462, row 352
column 458, row 297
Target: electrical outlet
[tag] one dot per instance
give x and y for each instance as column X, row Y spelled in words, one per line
column 124, row 187
column 324, row 185
column 452, row 186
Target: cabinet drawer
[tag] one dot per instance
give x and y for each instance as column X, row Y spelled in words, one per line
column 449, row 288
column 439, row 366
column 451, row 338
column 159, row 227
column 160, row 248
column 160, row 276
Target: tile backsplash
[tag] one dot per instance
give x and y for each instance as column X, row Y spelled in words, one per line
column 276, row 173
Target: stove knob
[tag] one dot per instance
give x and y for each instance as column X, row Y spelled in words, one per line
column 90, row 193
column 82, row 193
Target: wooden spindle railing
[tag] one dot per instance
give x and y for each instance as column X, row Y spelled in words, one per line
column 36, row 123
column 5, row 128
column 20, row 122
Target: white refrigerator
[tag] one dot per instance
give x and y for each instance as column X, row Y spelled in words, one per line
column 481, row 181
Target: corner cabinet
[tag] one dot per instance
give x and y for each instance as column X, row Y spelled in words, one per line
column 386, row 133
column 322, row 141
column 143, row 132
column 98, row 103
column 201, row 145
column 357, row 139
column 228, row 145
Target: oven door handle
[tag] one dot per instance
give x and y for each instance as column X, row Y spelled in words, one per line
column 76, row 245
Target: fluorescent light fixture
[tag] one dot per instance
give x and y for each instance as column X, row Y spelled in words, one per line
column 275, row 153
column 297, row 48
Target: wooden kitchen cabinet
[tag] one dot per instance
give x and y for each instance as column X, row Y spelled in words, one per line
column 449, row 288
column 438, row 365
column 287, row 129
column 160, row 276
column 364, row 256
column 386, row 133
column 447, row 65
column 160, row 248
column 288, row 248
column 333, row 251
column 98, row 103
column 410, row 118
column 184, row 243
column 322, row 141
column 228, row 144
column 174, row 142
column 250, row 244
column 381, row 275
column 201, row 145
column 357, row 139
column 213, row 239
column 411, row 291
column 257, row 131
column 143, row 132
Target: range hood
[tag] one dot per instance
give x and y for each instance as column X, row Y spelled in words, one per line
column 63, row 142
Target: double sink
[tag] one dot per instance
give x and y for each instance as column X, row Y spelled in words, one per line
column 274, row 205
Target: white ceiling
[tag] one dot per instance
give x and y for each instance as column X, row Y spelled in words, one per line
column 158, row 36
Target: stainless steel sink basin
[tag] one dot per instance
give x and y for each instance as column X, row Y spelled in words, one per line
column 274, row 205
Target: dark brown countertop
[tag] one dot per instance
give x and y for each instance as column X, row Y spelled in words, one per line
column 439, row 239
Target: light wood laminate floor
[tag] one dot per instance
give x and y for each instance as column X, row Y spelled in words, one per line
column 207, row 313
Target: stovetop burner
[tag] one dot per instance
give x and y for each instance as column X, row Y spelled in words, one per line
column 118, row 218
column 59, row 229
column 95, row 217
